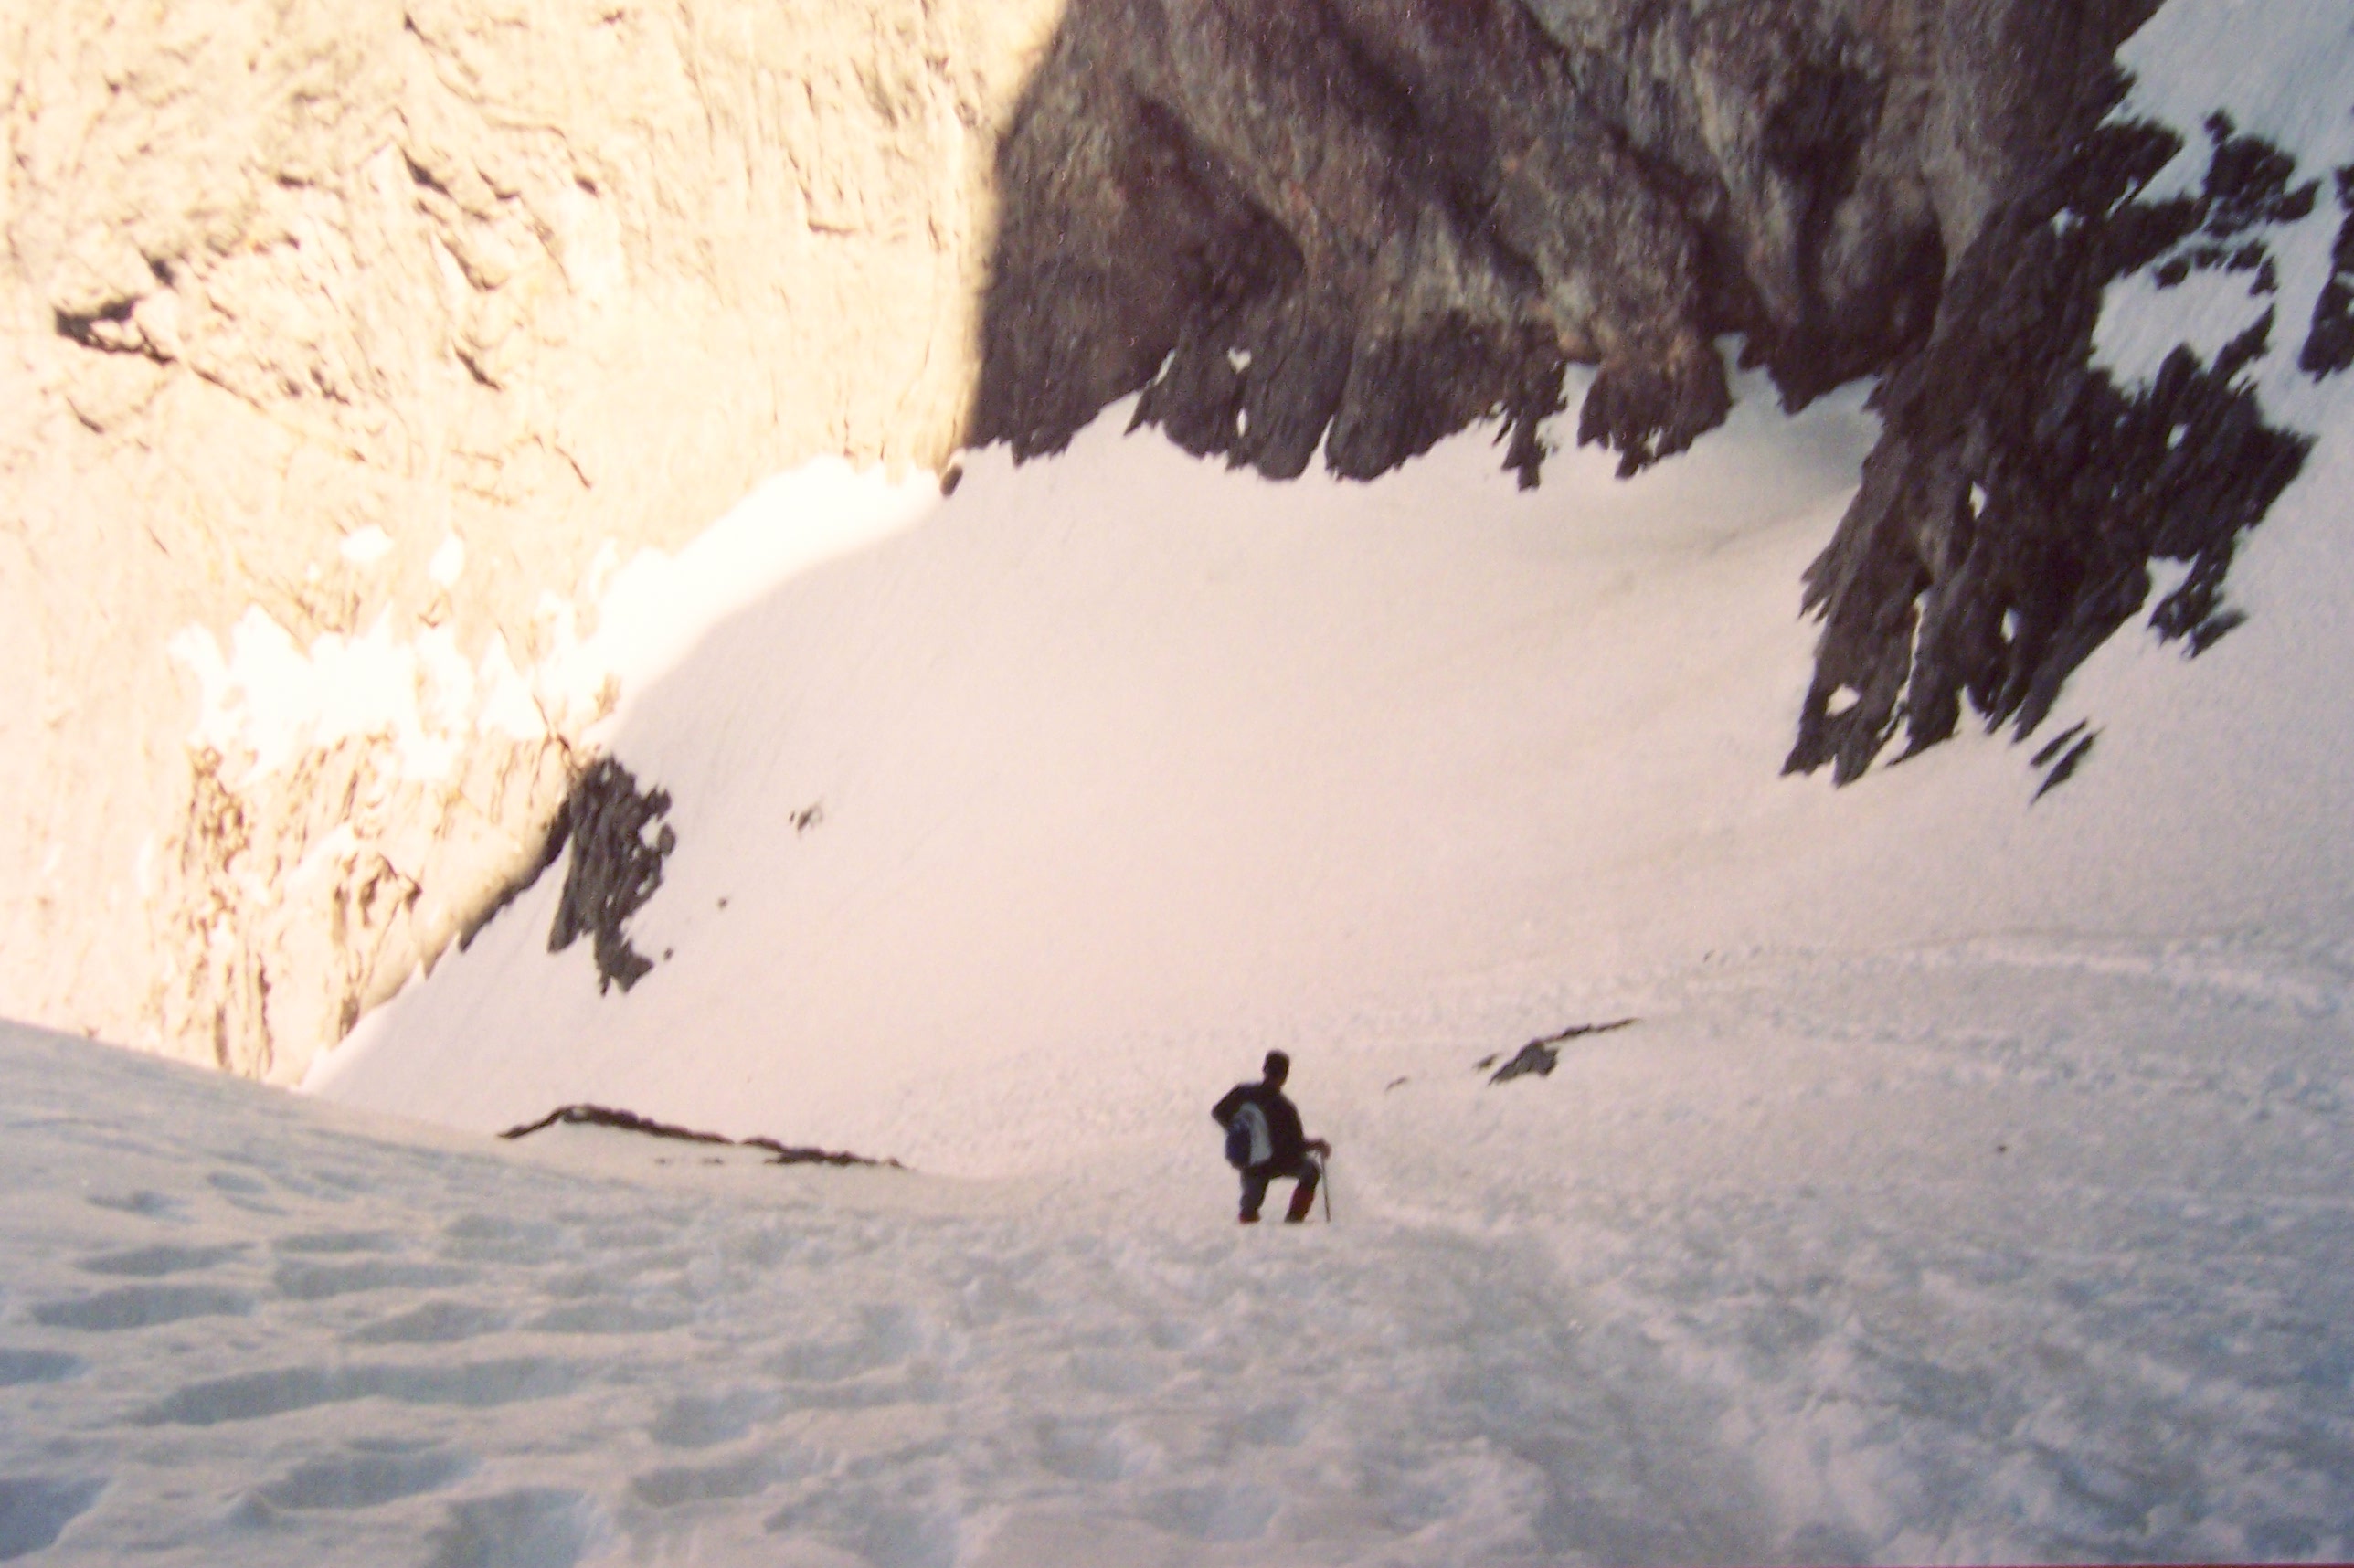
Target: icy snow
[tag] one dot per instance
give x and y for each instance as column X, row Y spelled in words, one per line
column 366, row 545
column 1977, row 1183
column 268, row 700
column 448, row 562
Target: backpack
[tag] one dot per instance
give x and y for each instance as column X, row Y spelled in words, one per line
column 1247, row 1143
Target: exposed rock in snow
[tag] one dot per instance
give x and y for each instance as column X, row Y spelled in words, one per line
column 2330, row 347
column 772, row 1151
column 2012, row 513
column 1540, row 1056
column 2122, row 383
column 617, row 840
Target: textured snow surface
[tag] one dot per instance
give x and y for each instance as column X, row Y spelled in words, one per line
column 2001, row 1250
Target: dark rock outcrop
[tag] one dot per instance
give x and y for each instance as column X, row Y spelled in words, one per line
column 630, row 1121
column 2019, row 497
column 1538, row 1058
column 1364, row 224
column 614, row 869
column 2329, row 345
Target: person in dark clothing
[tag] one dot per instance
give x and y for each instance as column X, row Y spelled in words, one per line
column 1289, row 1148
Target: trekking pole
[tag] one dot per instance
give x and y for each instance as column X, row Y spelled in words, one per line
column 1324, row 1172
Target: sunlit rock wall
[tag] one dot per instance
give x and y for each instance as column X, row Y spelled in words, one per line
column 347, row 344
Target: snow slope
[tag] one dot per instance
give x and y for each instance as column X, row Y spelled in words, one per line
column 2002, row 1250
column 1126, row 766
column 1975, row 1185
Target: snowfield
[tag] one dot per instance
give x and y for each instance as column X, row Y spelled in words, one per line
column 1996, row 1251
column 1976, row 1185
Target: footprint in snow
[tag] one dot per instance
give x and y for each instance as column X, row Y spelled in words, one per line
column 147, row 1204
column 253, row 1397
column 1214, row 1513
column 625, row 1235
column 1115, row 1371
column 704, row 1421
column 491, row 1238
column 884, row 1336
column 317, row 1186
column 438, row 1322
column 243, row 1192
column 1272, row 1427
column 344, row 1182
column 575, row 1284
column 364, row 1479
column 747, row 1476
column 886, row 1532
column 1078, row 1451
column 18, row 1367
column 36, row 1509
column 155, row 1262
column 1173, row 1334
column 142, row 1307
column 317, row 1282
column 605, row 1317
column 538, row 1526
column 336, row 1243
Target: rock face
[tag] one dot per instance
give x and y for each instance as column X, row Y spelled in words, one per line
column 2011, row 516
column 1361, row 224
column 346, row 345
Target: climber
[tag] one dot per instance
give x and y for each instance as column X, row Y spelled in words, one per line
column 1264, row 1141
